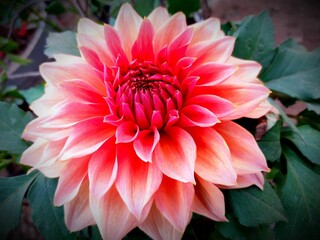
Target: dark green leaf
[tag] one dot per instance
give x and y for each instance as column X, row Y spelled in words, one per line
column 186, row 6
column 310, row 118
column 295, row 73
column 12, row 122
column 12, row 190
column 48, row 219
column 253, row 206
column 314, row 106
column 64, row 42
column 55, row 7
column 33, row 93
column 300, row 198
column 308, row 142
column 235, row 231
column 270, row 143
column 255, row 39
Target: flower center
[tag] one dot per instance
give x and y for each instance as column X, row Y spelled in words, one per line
column 147, row 96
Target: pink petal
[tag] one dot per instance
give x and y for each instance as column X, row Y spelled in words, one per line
column 246, row 96
column 261, row 110
column 142, row 48
column 137, row 181
column 91, row 57
column 145, row 143
column 98, row 46
column 209, row 201
column 174, row 200
column 87, row 137
column 54, row 73
column 178, row 47
column 77, row 212
column 212, row 51
column 127, row 15
column 169, row 30
column 212, row 73
column 127, row 132
column 195, row 115
column 113, row 42
column 158, row 227
column 82, row 92
column 245, row 153
column 217, row 105
column 158, row 17
column 247, row 180
column 91, row 28
column 103, row 168
column 247, row 71
column 205, row 30
column 112, row 215
column 70, row 180
column 68, row 114
column 175, row 154
column 213, row 157
column 31, row 156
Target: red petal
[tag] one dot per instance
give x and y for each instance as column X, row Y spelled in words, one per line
column 127, row 132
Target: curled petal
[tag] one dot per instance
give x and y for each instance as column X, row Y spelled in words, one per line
column 127, row 132
column 175, row 154
column 195, row 115
column 247, row 180
column 145, row 143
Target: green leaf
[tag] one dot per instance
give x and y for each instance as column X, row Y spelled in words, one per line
column 64, row 42
column 186, row 6
column 12, row 122
column 308, row 144
column 253, row 206
column 270, row 143
column 291, row 44
column 294, row 73
column 255, row 39
column 12, row 191
column 310, row 118
column 235, row 231
column 32, row 94
column 18, row 59
column 48, row 219
column 300, row 198
column 314, row 106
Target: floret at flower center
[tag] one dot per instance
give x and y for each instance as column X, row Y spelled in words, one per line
column 147, row 96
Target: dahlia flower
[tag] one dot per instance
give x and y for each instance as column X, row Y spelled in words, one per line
column 139, row 128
